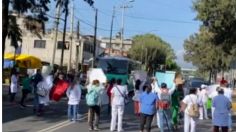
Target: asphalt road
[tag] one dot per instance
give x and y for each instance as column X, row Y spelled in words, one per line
column 16, row 119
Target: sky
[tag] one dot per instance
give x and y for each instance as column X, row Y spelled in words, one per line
column 172, row 20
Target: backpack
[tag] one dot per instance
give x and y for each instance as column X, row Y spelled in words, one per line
column 92, row 97
column 41, row 90
column 165, row 100
column 193, row 110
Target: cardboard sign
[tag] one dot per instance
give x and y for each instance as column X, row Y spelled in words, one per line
column 97, row 74
column 165, row 77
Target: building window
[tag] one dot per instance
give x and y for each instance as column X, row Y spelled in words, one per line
column 66, row 46
column 88, row 47
column 40, row 44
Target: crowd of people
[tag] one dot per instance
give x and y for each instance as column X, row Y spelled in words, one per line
column 167, row 105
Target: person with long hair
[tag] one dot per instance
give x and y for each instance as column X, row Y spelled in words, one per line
column 74, row 95
column 137, row 92
column 148, row 101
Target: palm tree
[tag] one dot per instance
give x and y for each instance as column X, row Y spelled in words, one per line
column 64, row 4
column 37, row 9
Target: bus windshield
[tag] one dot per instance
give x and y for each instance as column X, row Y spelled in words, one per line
column 113, row 66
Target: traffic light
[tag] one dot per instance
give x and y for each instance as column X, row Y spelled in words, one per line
column 90, row 2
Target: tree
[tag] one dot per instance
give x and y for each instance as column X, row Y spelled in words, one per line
column 218, row 16
column 65, row 9
column 151, row 50
column 36, row 14
column 201, row 51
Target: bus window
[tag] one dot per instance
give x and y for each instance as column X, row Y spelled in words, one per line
column 114, row 66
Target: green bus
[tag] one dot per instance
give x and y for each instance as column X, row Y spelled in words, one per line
column 119, row 68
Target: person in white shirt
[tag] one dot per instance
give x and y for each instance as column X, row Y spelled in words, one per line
column 137, row 93
column 118, row 95
column 74, row 95
column 154, row 87
column 185, row 106
column 202, row 100
column 14, row 85
column 228, row 93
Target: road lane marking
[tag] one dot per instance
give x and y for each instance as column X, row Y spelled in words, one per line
column 64, row 124
column 60, row 125
column 51, row 127
column 56, row 128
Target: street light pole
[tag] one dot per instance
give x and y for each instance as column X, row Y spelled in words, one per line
column 64, row 33
column 125, row 5
column 113, row 15
column 71, row 36
column 122, row 29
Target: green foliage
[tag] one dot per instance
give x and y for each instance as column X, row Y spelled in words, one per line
column 204, row 54
column 152, row 50
column 14, row 32
column 219, row 17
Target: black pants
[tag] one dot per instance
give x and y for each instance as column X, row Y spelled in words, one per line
column 146, row 119
column 25, row 92
column 12, row 97
column 217, row 129
column 94, row 115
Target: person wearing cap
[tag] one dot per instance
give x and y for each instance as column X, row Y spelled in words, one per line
column 222, row 107
column 164, row 104
column 202, row 100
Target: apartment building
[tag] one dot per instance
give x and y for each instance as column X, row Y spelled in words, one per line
column 42, row 47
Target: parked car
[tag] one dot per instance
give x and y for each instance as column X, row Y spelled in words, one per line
column 193, row 83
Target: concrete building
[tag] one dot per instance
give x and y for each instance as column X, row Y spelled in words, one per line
column 42, row 47
column 115, row 47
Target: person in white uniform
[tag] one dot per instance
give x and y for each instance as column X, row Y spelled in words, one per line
column 118, row 94
column 186, row 104
column 14, row 85
column 202, row 97
column 74, row 95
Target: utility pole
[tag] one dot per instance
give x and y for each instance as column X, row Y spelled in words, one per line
column 95, row 37
column 122, row 28
column 71, row 35
column 55, row 37
column 64, row 32
column 124, row 6
column 77, row 47
column 112, row 19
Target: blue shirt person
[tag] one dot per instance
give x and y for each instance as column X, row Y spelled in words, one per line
column 222, row 106
column 148, row 101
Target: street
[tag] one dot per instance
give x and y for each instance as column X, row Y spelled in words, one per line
column 16, row 119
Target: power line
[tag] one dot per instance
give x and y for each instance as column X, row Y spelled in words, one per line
column 160, row 19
